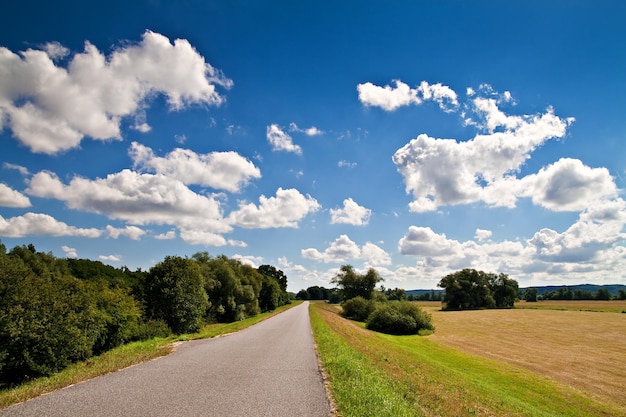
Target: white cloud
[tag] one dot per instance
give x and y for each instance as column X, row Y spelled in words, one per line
column 482, row 235
column 343, row 249
column 351, row 213
column 346, row 164
column 569, row 185
column 284, row 210
column 131, row 232
column 280, row 140
column 94, row 93
column 253, row 261
column 389, row 98
column 447, row 172
column 70, row 252
column 41, row 225
column 220, row 170
column 310, row 131
column 171, row 234
column 140, row 199
column 21, row 169
column 110, row 258
column 12, row 198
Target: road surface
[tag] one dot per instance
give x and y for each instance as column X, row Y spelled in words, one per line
column 269, row 369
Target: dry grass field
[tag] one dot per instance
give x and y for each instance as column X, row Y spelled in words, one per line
column 583, row 349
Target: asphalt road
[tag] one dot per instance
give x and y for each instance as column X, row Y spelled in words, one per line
column 269, row 369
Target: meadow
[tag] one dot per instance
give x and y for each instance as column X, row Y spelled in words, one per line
column 520, row 362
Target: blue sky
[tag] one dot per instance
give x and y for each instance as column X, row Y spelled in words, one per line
column 414, row 137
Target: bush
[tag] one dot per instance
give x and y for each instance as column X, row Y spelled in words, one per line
column 399, row 318
column 358, row 308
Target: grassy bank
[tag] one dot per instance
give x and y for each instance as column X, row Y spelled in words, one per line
column 415, row 376
column 122, row 357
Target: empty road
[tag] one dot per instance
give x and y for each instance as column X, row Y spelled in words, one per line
column 269, row 369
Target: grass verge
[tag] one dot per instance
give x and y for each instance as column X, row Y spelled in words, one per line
column 122, row 357
column 370, row 373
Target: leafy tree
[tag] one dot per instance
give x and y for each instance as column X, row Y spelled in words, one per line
column 530, row 295
column 621, row 295
column 398, row 294
column 302, row 295
column 603, row 294
column 466, row 289
column 352, row 284
column 175, row 293
column 503, row 289
column 269, row 271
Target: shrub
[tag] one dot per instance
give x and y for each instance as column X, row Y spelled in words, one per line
column 399, row 318
column 358, row 308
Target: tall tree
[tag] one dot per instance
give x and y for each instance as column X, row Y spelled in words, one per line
column 352, row 284
column 175, row 293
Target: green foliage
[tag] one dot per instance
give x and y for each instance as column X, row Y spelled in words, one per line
column 399, row 318
column 54, row 312
column 530, row 295
column 175, row 294
column 358, row 308
column 471, row 289
column 352, row 284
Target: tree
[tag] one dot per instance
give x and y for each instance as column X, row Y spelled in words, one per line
column 175, row 293
column 503, row 289
column 466, row 289
column 270, row 272
column 530, row 295
column 351, row 284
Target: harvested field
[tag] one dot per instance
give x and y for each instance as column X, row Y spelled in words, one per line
column 582, row 349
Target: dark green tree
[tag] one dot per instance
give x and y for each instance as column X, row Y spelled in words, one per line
column 352, row 284
column 467, row 289
column 530, row 295
column 503, row 290
column 175, row 293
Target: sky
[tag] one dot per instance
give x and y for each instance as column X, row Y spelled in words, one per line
column 415, row 137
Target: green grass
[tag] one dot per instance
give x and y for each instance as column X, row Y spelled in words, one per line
column 122, row 357
column 415, row 376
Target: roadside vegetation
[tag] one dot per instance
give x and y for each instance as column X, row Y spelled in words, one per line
column 57, row 312
column 122, row 357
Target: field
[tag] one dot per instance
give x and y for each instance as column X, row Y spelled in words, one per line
column 583, row 349
column 521, row 362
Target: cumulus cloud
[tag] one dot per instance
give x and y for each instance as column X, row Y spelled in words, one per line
column 391, row 98
column 281, row 141
column 448, row 172
column 286, row 209
column 310, row 131
column 39, row 224
column 569, row 185
column 170, row 234
column 50, row 108
column 71, row 253
column 12, row 198
column 110, row 258
column 220, row 170
column 131, row 232
column 590, row 249
column 351, row 213
column 139, row 199
column 343, row 249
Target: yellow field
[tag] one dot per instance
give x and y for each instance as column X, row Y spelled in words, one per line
column 583, row 349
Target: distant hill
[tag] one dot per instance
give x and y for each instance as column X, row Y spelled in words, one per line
column 613, row 288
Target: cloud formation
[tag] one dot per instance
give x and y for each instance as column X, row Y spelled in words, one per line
column 11, row 198
column 343, row 250
column 227, row 171
column 391, row 98
column 281, row 141
column 441, row 172
column 38, row 224
column 50, row 108
column 351, row 213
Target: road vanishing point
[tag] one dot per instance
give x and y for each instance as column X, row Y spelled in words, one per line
column 269, row 369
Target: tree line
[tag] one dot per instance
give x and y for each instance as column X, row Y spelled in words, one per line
column 56, row 311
